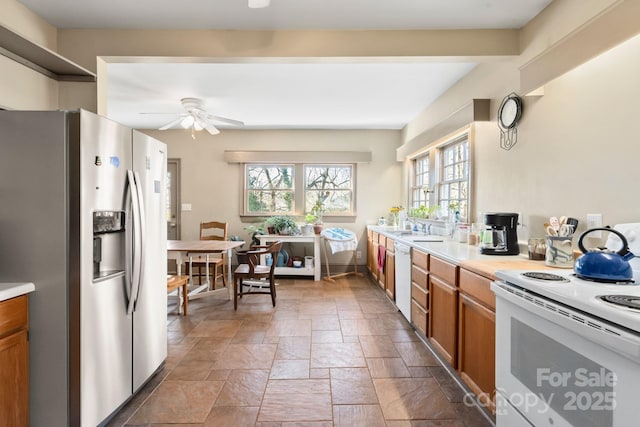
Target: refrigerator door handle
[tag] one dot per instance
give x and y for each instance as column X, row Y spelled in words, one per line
column 128, row 238
column 142, row 231
column 135, row 274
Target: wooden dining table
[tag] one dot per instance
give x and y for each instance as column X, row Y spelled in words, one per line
column 184, row 250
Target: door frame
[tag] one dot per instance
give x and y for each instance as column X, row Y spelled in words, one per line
column 176, row 183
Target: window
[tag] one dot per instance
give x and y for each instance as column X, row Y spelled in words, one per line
column 270, row 189
column 332, row 185
column 420, row 189
column 447, row 184
column 294, row 189
column 454, row 182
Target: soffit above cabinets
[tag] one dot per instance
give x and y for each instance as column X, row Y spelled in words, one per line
column 41, row 59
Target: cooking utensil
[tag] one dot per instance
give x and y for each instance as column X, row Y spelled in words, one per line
column 551, row 231
column 562, row 220
column 573, row 222
column 565, row 230
column 602, row 264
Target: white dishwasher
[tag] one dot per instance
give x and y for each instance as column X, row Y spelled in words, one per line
column 403, row 279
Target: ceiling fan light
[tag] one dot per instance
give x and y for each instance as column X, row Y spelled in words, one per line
column 259, row 4
column 197, row 126
column 187, row 122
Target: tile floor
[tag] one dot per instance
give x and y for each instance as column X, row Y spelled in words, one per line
column 329, row 354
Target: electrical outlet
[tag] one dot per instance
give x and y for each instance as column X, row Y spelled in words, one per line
column 594, row 221
column 358, row 254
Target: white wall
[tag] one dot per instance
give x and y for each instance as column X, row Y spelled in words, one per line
column 20, row 87
column 577, row 149
column 214, row 188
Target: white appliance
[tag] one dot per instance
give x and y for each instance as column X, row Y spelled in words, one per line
column 82, row 217
column 403, row 279
column 564, row 355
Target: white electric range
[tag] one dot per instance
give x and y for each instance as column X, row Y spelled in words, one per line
column 565, row 356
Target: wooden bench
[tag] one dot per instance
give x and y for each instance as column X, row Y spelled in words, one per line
column 175, row 282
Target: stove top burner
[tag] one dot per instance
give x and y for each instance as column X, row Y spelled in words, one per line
column 627, row 301
column 547, row 277
column 609, row 282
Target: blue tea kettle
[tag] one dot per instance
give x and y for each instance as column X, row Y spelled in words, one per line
column 602, row 264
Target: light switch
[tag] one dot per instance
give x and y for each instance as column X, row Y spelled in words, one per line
column 186, row 207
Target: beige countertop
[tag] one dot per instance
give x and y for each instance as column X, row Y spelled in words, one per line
column 12, row 290
column 462, row 254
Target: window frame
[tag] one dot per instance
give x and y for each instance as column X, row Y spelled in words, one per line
column 246, row 189
column 299, row 189
column 435, row 154
column 443, row 181
column 350, row 190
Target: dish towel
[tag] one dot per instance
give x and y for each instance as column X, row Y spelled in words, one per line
column 340, row 240
column 382, row 254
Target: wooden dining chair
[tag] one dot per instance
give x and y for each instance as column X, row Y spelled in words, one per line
column 253, row 278
column 212, row 230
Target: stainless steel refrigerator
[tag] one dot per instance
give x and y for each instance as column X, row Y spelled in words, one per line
column 82, row 215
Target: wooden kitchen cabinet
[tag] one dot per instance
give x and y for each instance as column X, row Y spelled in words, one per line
column 419, row 290
column 374, row 256
column 390, row 269
column 382, row 277
column 14, row 362
column 443, row 309
column 370, row 254
column 476, row 336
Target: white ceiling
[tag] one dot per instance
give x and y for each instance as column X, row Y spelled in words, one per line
column 281, row 95
column 272, row 94
column 301, row 14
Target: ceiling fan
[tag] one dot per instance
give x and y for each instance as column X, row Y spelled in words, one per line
column 197, row 118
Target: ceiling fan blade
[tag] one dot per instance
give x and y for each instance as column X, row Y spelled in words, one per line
column 164, row 114
column 226, row 120
column 212, row 129
column 171, row 124
column 203, row 122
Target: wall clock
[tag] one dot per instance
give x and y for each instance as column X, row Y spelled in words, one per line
column 509, row 115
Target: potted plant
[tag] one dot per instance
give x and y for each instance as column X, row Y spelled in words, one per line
column 307, row 228
column 254, row 232
column 317, row 211
column 284, row 224
column 269, row 224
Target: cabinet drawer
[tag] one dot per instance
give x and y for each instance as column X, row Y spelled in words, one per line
column 13, row 315
column 443, row 269
column 419, row 318
column 420, row 259
column 391, row 247
column 478, row 287
column 420, row 277
column 419, row 295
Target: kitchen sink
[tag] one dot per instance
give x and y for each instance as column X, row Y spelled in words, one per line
column 418, row 237
column 409, row 233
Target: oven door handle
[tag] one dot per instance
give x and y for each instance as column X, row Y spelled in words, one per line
column 614, row 338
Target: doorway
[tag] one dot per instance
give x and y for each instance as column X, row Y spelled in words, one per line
column 173, row 206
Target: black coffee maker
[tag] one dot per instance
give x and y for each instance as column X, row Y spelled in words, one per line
column 499, row 236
